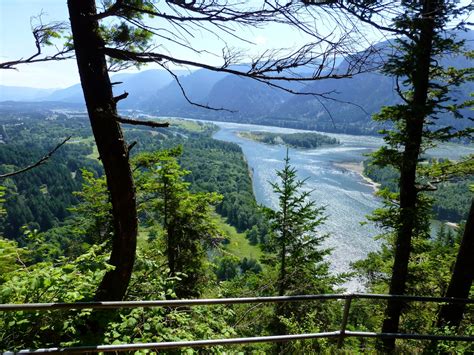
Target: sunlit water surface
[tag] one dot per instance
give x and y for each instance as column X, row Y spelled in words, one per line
column 347, row 197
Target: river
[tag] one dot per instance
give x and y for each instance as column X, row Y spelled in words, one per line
column 348, row 198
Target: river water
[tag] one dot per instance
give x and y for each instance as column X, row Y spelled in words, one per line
column 347, row 197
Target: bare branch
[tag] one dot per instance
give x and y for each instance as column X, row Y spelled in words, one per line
column 365, row 13
column 38, row 163
column 141, row 123
column 42, row 36
column 62, row 55
column 265, row 72
column 121, row 97
column 212, row 12
column 176, row 78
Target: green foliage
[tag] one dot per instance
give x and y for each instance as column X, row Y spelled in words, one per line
column 295, row 240
column 298, row 255
column 185, row 217
column 406, row 261
column 453, row 347
column 432, row 260
column 229, row 267
column 214, row 166
column 40, row 197
column 220, row 168
column 162, row 325
column 451, row 198
column 64, row 281
column 93, row 214
column 10, row 257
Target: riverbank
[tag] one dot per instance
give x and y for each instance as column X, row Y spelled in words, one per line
column 358, row 168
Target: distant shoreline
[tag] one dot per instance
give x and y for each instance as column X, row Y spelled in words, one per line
column 358, row 168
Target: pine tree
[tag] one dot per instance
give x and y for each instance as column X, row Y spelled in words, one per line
column 185, row 217
column 299, row 257
column 295, row 238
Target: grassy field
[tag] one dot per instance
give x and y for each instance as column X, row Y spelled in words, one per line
column 191, row 126
column 238, row 244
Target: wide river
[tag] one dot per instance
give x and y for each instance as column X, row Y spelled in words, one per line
column 347, row 197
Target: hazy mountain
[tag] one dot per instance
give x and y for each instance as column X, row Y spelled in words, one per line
column 20, row 93
column 347, row 108
column 71, row 94
column 169, row 100
column 140, row 86
column 246, row 96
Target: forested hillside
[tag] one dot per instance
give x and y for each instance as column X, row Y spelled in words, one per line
column 42, row 198
column 451, row 199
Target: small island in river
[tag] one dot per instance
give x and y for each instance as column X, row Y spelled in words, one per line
column 294, row 140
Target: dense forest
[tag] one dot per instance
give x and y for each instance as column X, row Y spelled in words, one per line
column 294, row 140
column 42, row 198
column 137, row 208
column 451, row 199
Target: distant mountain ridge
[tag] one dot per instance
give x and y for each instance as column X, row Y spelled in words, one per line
column 352, row 103
column 21, row 93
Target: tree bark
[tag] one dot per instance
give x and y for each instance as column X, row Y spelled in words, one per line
column 408, row 190
column 462, row 277
column 113, row 151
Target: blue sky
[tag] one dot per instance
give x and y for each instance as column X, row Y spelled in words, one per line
column 16, row 41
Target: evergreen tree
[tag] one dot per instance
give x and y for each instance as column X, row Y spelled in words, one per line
column 298, row 260
column 186, row 218
column 295, row 239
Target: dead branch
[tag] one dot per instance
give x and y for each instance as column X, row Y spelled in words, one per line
column 121, row 97
column 62, row 55
column 265, row 72
column 142, row 123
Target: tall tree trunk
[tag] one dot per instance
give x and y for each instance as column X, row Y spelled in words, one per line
column 462, row 277
column 408, row 190
column 111, row 145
